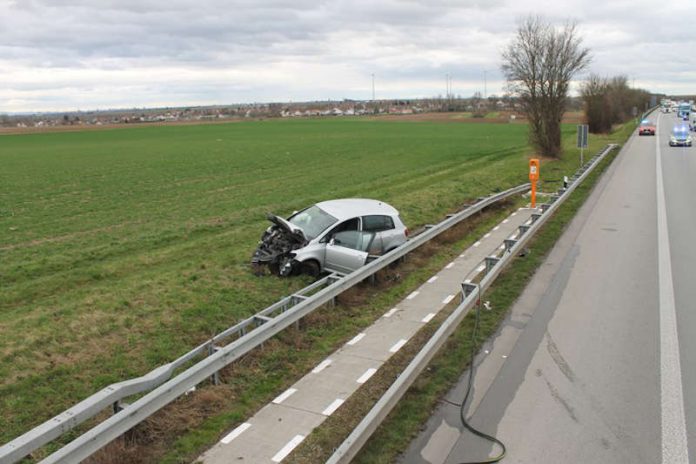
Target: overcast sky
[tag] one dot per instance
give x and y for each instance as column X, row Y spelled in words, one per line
column 66, row 55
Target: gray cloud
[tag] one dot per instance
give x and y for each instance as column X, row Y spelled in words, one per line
column 61, row 54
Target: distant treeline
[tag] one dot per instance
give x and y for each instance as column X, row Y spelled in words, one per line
column 610, row 101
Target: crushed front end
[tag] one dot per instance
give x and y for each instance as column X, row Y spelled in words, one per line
column 276, row 246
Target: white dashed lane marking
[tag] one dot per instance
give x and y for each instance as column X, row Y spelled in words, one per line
column 366, row 376
column 235, row 433
column 333, row 407
column 321, row 366
column 397, row 346
column 287, row 449
column 356, row 339
column 285, row 395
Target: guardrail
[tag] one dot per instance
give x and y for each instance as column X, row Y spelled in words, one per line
column 244, row 336
column 471, row 292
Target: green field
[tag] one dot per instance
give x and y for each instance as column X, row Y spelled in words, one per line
column 121, row 249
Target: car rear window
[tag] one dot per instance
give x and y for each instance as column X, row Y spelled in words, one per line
column 377, row 223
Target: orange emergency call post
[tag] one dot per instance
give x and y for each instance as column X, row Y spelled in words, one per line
column 533, row 178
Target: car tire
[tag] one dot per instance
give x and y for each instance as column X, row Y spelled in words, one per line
column 310, row 267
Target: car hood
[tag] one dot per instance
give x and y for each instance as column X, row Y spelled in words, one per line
column 287, row 226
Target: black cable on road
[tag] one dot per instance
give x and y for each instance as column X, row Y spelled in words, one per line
column 470, row 382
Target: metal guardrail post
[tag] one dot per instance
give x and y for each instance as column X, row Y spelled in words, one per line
column 163, row 389
column 472, row 293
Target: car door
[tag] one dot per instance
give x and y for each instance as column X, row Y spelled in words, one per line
column 383, row 227
column 348, row 251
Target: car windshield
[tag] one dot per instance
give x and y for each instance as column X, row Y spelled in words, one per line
column 680, row 129
column 313, row 221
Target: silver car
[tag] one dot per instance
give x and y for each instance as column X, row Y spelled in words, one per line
column 335, row 236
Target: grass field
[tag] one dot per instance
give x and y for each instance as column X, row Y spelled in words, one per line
column 121, row 249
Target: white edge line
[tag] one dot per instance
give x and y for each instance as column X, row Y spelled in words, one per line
column 413, row 295
column 505, row 221
column 366, row 375
column 235, row 433
column 513, row 214
column 330, row 409
column 432, row 279
column 449, row 266
column 356, row 339
column 481, row 268
column 321, row 366
column 447, row 299
column 428, row 318
column 284, row 396
column 487, row 235
column 496, row 228
column 287, row 449
column 477, row 243
column 398, row 345
column 675, row 449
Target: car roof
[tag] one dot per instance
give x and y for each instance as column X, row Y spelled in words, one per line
column 347, row 208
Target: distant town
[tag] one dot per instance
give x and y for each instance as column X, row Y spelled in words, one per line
column 476, row 105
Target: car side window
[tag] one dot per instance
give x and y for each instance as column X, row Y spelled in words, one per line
column 377, row 223
column 350, row 224
column 354, row 239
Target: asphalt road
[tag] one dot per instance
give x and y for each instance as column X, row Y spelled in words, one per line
column 595, row 362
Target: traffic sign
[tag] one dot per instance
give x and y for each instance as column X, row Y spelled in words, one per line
column 582, row 135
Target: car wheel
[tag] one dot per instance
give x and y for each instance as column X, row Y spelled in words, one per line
column 310, row 267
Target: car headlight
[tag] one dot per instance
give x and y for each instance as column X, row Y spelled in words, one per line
column 672, row 138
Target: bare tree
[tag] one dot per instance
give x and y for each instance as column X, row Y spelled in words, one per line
column 539, row 64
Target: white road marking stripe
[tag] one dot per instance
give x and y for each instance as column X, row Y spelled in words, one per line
column 412, row 295
column 462, row 255
column 235, row 433
column 481, row 268
column 513, row 214
column 356, row 339
column 501, row 247
column 321, row 366
column 505, row 221
column 487, row 235
column 366, row 376
column 432, row 279
column 391, row 312
column 330, row 409
column 398, row 345
column 449, row 266
column 477, row 244
column 447, row 299
column 285, row 395
column 428, row 318
column 496, row 228
column 287, row 449
column 674, row 442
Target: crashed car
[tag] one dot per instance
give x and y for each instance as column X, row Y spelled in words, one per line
column 331, row 236
column 646, row 128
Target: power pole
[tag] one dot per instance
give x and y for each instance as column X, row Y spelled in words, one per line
column 373, row 86
column 485, row 85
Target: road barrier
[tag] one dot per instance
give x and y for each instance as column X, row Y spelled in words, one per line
column 471, row 293
column 241, row 338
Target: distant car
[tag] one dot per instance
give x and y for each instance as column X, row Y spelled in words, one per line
column 646, row 128
column 336, row 236
column 680, row 137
